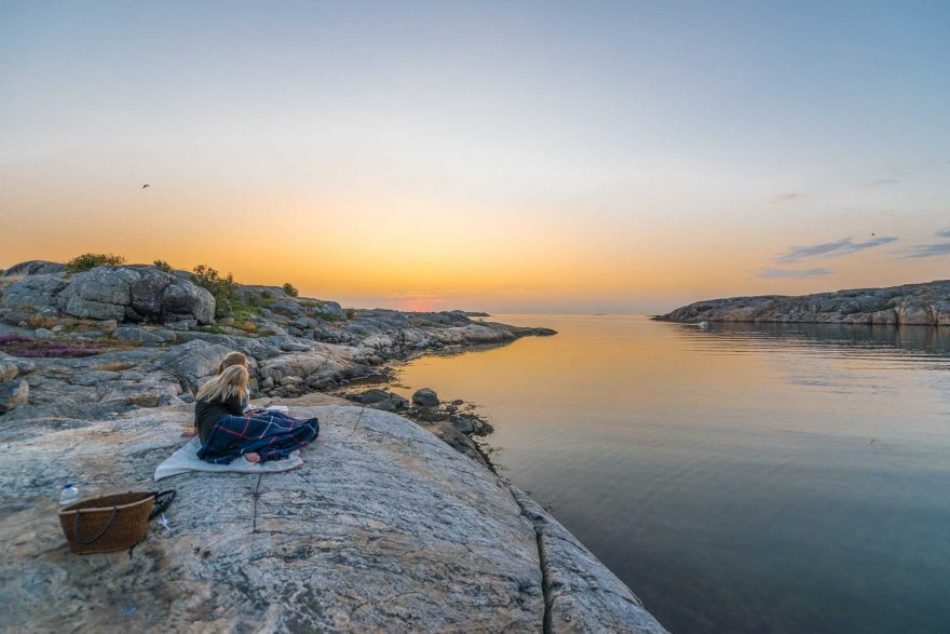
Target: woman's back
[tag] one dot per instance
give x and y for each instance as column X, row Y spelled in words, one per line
column 208, row 412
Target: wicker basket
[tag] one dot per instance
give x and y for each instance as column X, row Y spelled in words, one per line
column 107, row 524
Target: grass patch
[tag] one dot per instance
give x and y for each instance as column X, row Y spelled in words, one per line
column 37, row 320
column 20, row 346
column 244, row 312
column 115, row 366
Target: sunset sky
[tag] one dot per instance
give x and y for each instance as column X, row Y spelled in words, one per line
column 510, row 157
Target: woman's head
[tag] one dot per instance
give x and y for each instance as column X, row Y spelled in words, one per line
column 232, row 359
column 231, row 382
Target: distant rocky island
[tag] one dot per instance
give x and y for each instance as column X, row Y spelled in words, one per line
column 926, row 304
column 392, row 524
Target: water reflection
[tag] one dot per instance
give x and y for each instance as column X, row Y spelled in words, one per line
column 829, row 336
column 781, row 478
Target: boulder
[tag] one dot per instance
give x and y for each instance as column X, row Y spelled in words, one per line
column 114, row 293
column 148, row 292
column 185, row 298
column 34, row 293
column 192, row 363
column 380, row 399
column 425, row 397
column 13, row 394
column 401, row 534
column 100, row 293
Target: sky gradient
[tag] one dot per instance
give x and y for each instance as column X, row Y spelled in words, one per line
column 511, row 157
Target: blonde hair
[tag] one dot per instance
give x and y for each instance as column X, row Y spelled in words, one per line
column 231, row 382
column 230, row 359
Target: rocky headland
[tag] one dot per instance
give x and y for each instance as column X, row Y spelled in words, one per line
column 925, row 304
column 392, row 524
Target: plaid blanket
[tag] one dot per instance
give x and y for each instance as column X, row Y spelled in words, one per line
column 272, row 435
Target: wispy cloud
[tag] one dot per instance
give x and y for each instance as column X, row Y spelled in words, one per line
column 831, row 249
column 790, row 196
column 943, row 233
column 790, row 273
column 927, row 250
column 881, row 182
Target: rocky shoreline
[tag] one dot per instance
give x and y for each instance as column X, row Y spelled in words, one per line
column 114, row 338
column 385, row 526
column 926, row 304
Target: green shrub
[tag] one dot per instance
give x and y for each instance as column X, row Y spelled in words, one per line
column 350, row 314
column 162, row 264
column 290, row 289
column 88, row 261
column 221, row 287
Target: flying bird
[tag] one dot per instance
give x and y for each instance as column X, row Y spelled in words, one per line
column 145, row 186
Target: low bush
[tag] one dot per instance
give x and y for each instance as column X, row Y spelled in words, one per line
column 222, row 287
column 162, row 265
column 290, row 289
column 88, row 261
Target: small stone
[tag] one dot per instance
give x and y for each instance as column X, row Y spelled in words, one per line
column 108, row 326
column 13, row 394
column 426, row 397
column 147, row 399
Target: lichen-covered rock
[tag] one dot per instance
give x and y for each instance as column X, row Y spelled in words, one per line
column 194, row 362
column 101, row 293
column 33, row 267
column 383, row 528
column 911, row 305
column 34, row 293
column 139, row 335
column 113, row 293
column 329, row 310
column 184, row 298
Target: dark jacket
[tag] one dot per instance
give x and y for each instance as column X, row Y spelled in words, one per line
column 207, row 413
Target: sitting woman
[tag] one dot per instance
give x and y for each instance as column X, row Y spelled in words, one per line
column 226, row 432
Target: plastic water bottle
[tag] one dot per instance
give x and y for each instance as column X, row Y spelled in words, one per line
column 69, row 494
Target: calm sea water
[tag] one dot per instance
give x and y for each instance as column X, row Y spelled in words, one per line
column 738, row 479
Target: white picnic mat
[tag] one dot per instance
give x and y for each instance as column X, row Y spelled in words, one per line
column 186, row 459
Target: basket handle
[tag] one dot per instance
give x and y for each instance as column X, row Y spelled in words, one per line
column 162, row 501
column 105, row 528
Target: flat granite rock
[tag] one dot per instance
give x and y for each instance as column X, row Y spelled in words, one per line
column 384, row 528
